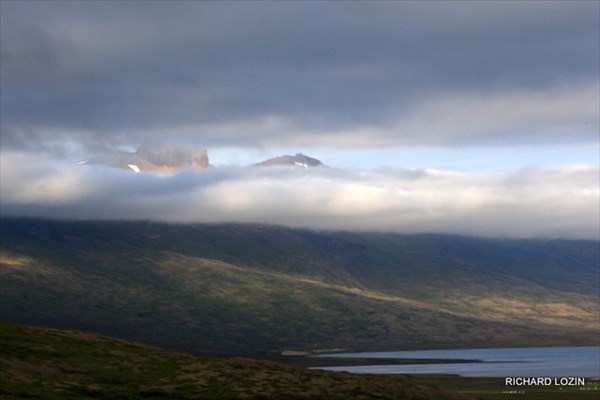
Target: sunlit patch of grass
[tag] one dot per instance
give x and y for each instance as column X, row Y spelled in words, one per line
column 14, row 261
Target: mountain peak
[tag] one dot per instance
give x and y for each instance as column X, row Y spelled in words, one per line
column 156, row 157
column 297, row 160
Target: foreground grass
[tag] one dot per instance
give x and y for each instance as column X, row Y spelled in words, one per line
column 62, row 364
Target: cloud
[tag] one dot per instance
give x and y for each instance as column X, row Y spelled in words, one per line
column 97, row 75
column 532, row 202
column 80, row 79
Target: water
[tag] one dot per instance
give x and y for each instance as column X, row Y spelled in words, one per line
column 526, row 362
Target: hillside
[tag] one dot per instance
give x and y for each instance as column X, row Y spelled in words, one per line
column 249, row 289
column 66, row 364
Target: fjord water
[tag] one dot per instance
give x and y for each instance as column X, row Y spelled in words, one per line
column 526, row 362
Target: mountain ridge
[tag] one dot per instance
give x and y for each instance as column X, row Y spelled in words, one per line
column 154, row 157
column 256, row 288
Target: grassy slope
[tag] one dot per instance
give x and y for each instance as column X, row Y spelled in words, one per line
column 234, row 288
column 60, row 364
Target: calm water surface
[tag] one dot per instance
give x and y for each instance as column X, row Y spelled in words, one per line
column 534, row 361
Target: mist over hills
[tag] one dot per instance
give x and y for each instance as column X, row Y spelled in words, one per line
column 478, row 119
column 529, row 203
column 248, row 289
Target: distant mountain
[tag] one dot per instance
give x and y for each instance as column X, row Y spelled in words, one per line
column 298, row 160
column 251, row 288
column 157, row 158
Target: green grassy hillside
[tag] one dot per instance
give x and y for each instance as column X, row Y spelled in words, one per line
column 248, row 289
column 64, row 364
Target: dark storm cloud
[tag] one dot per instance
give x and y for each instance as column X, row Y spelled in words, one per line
column 103, row 74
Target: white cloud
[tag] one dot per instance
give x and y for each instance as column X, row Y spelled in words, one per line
column 532, row 202
column 29, row 179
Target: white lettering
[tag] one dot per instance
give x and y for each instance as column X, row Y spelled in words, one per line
column 569, row 381
column 543, row 381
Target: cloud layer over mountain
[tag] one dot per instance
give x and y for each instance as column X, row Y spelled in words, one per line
column 526, row 203
column 81, row 79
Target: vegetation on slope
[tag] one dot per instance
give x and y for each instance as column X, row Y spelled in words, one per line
column 60, row 364
column 242, row 289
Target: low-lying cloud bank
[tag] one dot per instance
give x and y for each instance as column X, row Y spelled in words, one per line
column 530, row 202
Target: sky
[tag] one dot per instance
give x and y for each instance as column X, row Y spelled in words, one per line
column 473, row 118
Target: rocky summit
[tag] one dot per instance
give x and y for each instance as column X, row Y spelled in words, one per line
column 298, row 160
column 157, row 158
